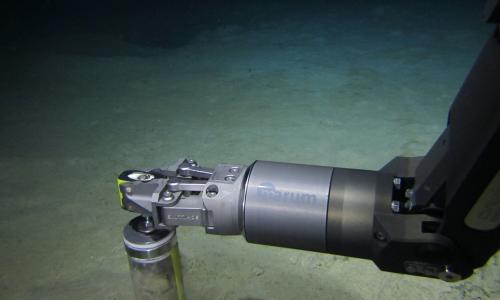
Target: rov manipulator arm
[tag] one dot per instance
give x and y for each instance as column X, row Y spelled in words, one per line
column 435, row 216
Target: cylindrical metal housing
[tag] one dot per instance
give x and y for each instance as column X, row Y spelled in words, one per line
column 313, row 208
column 353, row 196
column 154, row 262
column 286, row 205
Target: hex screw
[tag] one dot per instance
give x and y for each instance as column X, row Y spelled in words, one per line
column 410, row 204
column 395, row 206
column 230, row 178
column 409, row 193
column 234, row 170
column 168, row 195
column 397, row 182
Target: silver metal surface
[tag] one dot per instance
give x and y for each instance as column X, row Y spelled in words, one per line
column 191, row 169
column 286, row 205
column 141, row 176
column 143, row 194
column 185, row 185
column 223, row 200
column 216, row 203
column 182, row 195
column 187, row 211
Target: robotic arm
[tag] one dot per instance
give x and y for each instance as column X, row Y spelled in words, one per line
column 435, row 216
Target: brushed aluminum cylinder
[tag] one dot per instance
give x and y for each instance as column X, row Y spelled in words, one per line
column 286, row 205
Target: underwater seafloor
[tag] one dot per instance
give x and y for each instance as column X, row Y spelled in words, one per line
column 349, row 86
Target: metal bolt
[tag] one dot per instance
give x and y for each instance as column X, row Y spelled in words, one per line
column 395, row 206
column 168, row 196
column 230, row 178
column 145, row 177
column 397, row 182
column 147, row 226
column 409, row 193
column 448, row 275
column 379, row 236
column 234, row 170
column 128, row 189
column 411, row 199
column 409, row 205
column 192, row 163
column 148, row 223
